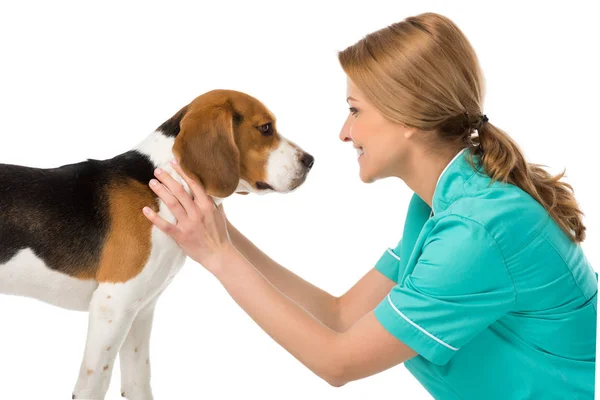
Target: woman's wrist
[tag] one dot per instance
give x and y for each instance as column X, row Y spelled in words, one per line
column 222, row 260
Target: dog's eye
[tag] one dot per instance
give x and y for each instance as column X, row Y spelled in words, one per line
column 266, row 129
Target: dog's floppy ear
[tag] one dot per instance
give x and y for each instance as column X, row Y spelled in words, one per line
column 206, row 149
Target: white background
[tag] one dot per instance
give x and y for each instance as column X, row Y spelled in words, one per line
column 80, row 81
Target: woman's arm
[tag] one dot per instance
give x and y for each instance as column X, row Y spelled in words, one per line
column 201, row 231
column 365, row 349
column 316, row 301
column 337, row 313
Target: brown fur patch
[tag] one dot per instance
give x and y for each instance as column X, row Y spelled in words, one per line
column 128, row 242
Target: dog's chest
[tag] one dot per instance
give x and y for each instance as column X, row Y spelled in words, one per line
column 165, row 261
column 166, row 257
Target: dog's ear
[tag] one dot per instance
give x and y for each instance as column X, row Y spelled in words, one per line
column 206, row 149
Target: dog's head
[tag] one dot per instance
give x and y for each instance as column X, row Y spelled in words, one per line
column 228, row 142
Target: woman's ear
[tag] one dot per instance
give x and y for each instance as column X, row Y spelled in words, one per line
column 206, row 150
column 409, row 132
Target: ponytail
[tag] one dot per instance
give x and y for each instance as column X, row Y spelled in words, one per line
column 503, row 161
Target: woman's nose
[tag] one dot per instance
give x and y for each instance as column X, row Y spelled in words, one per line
column 345, row 133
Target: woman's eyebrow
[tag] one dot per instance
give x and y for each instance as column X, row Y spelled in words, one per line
column 350, row 98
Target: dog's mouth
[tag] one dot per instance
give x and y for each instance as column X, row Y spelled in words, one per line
column 263, row 185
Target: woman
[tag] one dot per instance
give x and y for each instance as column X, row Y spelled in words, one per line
column 487, row 295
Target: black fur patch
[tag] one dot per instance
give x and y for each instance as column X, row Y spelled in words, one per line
column 171, row 126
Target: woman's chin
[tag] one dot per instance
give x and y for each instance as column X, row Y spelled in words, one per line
column 366, row 177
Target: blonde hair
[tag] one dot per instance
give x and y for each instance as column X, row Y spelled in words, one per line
column 423, row 72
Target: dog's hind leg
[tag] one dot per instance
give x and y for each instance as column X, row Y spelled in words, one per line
column 112, row 310
column 135, row 356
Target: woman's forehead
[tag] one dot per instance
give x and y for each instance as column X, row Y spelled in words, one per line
column 352, row 91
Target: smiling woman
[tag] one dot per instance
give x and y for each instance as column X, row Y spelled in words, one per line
column 487, row 294
column 379, row 140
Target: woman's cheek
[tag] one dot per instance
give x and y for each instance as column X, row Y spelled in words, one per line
column 356, row 132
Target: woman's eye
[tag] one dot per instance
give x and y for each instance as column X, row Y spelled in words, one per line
column 353, row 110
column 266, row 129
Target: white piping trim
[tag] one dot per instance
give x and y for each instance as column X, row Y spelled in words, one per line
column 440, row 177
column 393, row 254
column 418, row 327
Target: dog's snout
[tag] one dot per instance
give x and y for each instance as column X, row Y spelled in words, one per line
column 308, row 160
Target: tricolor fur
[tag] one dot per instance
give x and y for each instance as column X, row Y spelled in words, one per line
column 75, row 236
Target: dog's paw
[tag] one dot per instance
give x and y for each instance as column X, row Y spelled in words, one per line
column 84, row 397
column 137, row 395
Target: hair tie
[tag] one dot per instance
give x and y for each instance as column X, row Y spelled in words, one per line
column 478, row 125
column 484, row 119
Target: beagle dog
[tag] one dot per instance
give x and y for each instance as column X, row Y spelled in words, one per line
column 75, row 236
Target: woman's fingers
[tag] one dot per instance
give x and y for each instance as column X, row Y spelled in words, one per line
column 178, row 198
column 203, row 200
column 163, row 225
column 171, row 201
column 167, row 197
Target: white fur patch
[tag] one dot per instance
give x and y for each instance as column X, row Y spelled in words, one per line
column 28, row 275
column 284, row 167
column 158, row 147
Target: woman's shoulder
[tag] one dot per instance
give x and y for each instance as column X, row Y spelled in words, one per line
column 508, row 214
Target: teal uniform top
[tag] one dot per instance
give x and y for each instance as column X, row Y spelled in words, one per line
column 492, row 295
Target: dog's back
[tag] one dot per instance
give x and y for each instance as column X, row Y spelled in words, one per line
column 61, row 217
column 60, row 213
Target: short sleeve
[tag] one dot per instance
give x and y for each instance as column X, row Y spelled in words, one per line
column 459, row 286
column 390, row 262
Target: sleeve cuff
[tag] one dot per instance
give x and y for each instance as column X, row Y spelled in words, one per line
column 388, row 264
column 414, row 336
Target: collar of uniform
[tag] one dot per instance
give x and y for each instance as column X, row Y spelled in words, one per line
column 450, row 184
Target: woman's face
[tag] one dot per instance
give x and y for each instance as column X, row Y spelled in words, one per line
column 382, row 145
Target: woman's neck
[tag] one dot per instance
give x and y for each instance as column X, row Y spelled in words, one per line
column 424, row 169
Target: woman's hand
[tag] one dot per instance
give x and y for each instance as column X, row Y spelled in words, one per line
column 201, row 227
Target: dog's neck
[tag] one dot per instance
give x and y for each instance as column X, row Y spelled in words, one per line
column 158, row 147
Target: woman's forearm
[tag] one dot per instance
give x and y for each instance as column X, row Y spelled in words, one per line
column 316, row 301
column 293, row 327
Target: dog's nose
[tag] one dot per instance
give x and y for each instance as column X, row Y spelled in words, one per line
column 308, row 160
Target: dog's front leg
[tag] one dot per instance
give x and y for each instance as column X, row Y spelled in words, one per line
column 135, row 356
column 111, row 314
